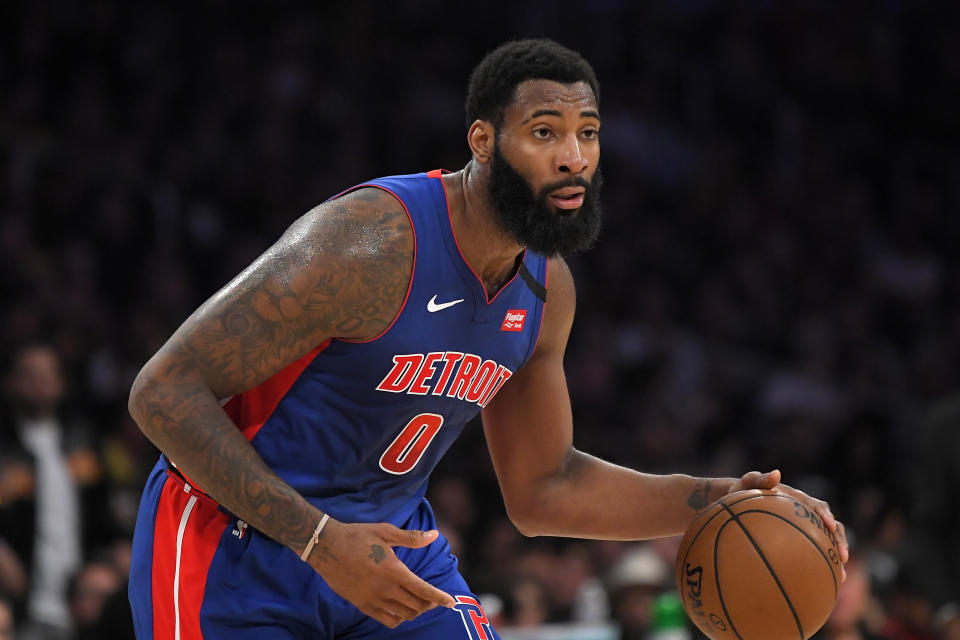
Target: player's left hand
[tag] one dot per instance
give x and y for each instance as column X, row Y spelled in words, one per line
column 771, row 480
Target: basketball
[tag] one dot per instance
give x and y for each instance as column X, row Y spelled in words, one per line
column 758, row 565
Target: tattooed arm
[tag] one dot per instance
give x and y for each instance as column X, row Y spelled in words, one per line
column 342, row 270
column 551, row 488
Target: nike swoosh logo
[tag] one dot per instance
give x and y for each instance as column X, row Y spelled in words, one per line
column 433, row 307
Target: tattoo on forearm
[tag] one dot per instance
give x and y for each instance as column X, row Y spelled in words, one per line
column 700, row 496
column 377, row 554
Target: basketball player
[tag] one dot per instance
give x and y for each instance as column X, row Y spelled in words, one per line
column 301, row 409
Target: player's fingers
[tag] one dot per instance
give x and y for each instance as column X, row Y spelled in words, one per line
column 822, row 509
column 844, row 545
column 757, row 480
column 424, row 590
column 385, row 616
column 412, row 600
column 410, row 538
column 400, row 609
column 413, row 605
column 772, row 478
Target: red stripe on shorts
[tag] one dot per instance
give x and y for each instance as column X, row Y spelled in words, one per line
column 187, row 531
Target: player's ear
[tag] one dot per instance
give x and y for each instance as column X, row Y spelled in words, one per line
column 481, row 137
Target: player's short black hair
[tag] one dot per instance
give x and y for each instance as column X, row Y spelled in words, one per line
column 494, row 80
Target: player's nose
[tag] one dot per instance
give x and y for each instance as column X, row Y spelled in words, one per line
column 570, row 159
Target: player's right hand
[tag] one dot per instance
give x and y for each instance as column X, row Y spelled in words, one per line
column 358, row 562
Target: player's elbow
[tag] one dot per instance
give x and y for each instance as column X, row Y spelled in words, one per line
column 526, row 526
column 527, row 517
column 528, row 529
column 538, row 504
column 146, row 397
column 137, row 401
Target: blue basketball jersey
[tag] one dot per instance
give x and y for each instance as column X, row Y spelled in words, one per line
column 357, row 427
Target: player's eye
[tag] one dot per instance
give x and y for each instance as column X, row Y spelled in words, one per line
column 541, row 133
column 590, row 134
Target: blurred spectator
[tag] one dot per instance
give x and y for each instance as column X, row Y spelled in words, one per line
column 529, row 604
column 41, row 514
column 571, row 586
column 452, row 497
column 858, row 614
column 669, row 620
column 6, row 619
column 498, row 556
column 947, row 622
column 116, row 621
column 13, row 575
column 936, row 503
column 909, row 610
column 634, row 583
column 493, row 607
column 90, row 591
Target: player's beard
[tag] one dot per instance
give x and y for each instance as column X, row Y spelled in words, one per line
column 531, row 220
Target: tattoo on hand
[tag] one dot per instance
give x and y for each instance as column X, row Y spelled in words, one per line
column 377, row 553
column 700, row 496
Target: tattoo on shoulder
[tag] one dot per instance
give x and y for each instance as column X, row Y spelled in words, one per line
column 340, row 271
column 377, row 553
column 700, row 496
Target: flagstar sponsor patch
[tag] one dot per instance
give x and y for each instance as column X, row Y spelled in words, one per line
column 514, row 320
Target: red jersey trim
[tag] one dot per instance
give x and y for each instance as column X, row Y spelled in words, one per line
column 251, row 409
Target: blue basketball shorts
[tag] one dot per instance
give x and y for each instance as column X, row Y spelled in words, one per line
column 199, row 572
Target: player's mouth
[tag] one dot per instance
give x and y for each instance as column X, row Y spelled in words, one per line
column 568, row 197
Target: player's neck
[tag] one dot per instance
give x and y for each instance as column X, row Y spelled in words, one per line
column 488, row 248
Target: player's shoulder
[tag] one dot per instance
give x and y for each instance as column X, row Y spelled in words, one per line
column 362, row 222
column 356, row 252
column 559, row 275
column 562, row 292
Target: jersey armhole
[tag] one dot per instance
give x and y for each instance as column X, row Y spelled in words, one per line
column 543, row 272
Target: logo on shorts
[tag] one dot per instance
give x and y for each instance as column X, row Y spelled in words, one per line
column 240, row 529
column 514, row 320
column 474, row 619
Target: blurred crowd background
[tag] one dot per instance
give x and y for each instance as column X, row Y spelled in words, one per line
column 776, row 285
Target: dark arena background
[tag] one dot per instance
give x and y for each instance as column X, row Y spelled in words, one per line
column 776, row 284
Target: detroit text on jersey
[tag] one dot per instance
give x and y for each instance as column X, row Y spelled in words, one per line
column 471, row 377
